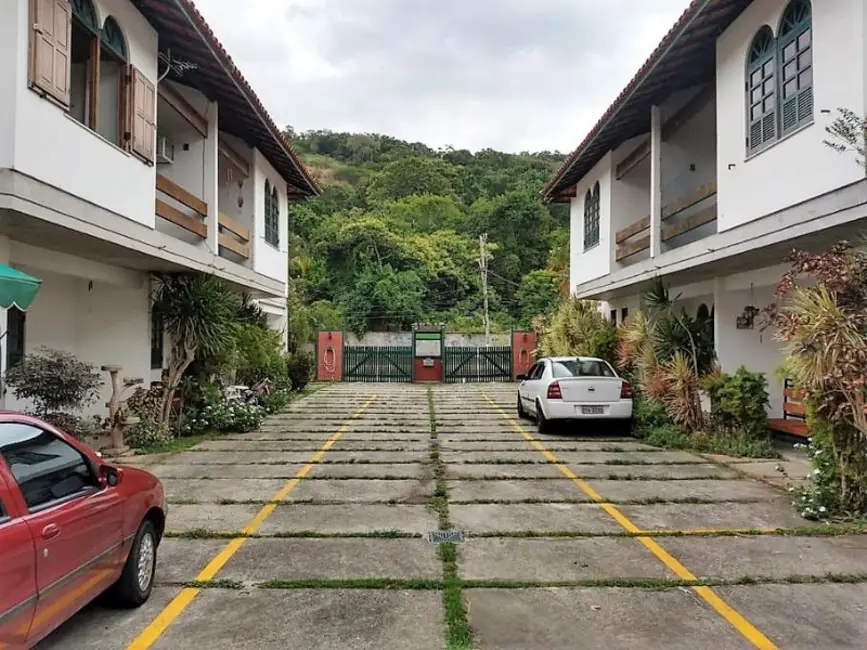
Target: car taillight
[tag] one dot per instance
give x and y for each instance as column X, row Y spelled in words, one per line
column 554, row 391
column 626, row 390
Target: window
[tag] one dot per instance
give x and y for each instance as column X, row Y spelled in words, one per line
column 581, row 368
column 4, row 515
column 624, row 314
column 85, row 68
column 272, row 215
column 157, row 329
column 537, row 371
column 779, row 82
column 591, row 217
column 794, row 45
column 15, row 326
column 762, row 91
column 46, row 468
column 614, row 316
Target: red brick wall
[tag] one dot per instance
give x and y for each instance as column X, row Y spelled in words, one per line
column 523, row 345
column 329, row 356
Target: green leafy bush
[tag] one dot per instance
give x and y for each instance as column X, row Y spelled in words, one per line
column 577, row 327
column 835, row 486
column 54, row 381
column 648, row 414
column 276, row 401
column 147, row 432
column 300, row 367
column 74, row 425
column 259, row 355
column 225, row 417
column 738, row 402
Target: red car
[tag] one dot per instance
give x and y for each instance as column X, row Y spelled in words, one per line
column 71, row 527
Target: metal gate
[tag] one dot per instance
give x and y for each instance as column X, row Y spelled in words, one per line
column 477, row 364
column 377, row 363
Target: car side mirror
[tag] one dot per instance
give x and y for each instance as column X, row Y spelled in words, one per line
column 520, row 377
column 109, row 475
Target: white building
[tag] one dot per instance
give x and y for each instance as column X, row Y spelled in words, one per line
column 711, row 165
column 131, row 144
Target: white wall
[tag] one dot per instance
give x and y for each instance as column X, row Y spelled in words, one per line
column 595, row 262
column 800, row 166
column 54, row 148
column 103, row 323
column 9, row 79
column 268, row 260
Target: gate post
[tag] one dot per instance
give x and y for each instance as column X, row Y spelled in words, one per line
column 523, row 352
column 329, row 356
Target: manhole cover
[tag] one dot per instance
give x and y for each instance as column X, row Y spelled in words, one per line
column 442, row 536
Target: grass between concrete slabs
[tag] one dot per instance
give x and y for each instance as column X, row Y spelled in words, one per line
column 422, row 584
column 458, row 632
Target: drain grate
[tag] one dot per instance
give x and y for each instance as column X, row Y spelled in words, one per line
column 443, row 536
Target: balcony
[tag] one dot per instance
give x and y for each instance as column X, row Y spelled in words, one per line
column 184, row 214
column 683, row 215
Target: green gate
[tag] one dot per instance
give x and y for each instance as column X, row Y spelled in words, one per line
column 477, row 364
column 377, row 363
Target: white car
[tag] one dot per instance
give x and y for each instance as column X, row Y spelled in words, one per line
column 574, row 388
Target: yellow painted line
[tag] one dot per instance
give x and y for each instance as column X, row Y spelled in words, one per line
column 741, row 624
column 180, row 602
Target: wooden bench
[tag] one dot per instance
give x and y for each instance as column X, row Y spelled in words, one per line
column 794, row 420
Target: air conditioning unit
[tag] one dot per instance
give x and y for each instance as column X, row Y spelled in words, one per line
column 165, row 151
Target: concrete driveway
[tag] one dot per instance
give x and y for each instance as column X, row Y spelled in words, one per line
column 312, row 533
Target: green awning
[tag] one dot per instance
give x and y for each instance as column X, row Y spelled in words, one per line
column 17, row 288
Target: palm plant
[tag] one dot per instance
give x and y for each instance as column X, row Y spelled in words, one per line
column 198, row 312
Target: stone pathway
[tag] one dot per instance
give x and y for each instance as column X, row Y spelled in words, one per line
column 312, row 533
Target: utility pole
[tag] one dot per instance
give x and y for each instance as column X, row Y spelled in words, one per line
column 484, row 256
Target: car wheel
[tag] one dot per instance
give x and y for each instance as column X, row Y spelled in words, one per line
column 135, row 584
column 522, row 414
column 543, row 425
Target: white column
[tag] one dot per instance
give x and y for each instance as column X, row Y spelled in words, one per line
column 655, row 182
column 212, row 178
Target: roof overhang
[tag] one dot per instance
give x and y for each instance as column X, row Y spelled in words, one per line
column 685, row 58
column 183, row 31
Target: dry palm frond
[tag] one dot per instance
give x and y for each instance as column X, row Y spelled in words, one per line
column 681, row 396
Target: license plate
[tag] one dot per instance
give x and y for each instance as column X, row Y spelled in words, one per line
column 592, row 410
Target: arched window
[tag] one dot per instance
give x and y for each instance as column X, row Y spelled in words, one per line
column 591, row 217
column 85, row 14
column 761, row 90
column 795, row 47
column 112, row 39
column 272, row 215
column 112, row 81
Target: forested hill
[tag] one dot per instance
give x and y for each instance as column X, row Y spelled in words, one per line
column 394, row 240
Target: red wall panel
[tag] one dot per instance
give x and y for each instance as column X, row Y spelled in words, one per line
column 523, row 352
column 329, row 356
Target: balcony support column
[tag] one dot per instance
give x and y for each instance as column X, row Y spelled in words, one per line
column 655, row 181
column 211, row 174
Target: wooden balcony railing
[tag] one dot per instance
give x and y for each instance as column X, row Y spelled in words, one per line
column 628, row 241
column 234, row 237
column 192, row 223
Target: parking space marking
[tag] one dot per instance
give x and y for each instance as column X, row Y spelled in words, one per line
column 180, row 602
column 741, row 624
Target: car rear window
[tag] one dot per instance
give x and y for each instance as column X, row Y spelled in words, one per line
column 581, row 368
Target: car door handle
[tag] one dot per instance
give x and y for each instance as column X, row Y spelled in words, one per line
column 50, row 531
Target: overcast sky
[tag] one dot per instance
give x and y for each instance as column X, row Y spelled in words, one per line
column 513, row 75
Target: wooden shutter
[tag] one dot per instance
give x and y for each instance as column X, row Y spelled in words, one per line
column 143, row 116
column 50, row 42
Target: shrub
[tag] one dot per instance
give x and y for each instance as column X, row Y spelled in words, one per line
column 74, row 425
column 649, row 414
column 276, row 401
column 147, row 432
column 738, row 402
column 577, row 328
column 300, row 366
column 259, row 355
column 55, row 381
column 225, row 417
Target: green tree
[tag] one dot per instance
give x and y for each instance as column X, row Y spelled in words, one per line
column 537, row 295
column 414, row 175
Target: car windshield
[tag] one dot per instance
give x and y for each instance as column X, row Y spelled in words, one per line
column 581, row 368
